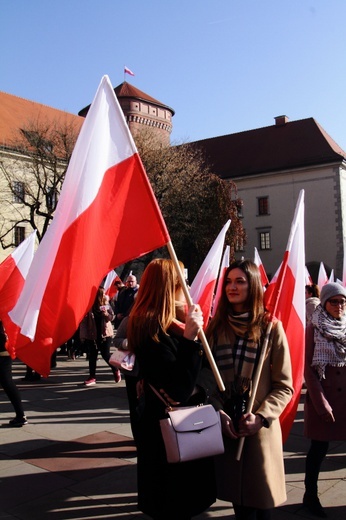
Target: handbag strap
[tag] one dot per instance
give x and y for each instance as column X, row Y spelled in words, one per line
column 168, row 406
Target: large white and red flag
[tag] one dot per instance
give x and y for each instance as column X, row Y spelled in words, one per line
column 13, row 272
column 203, row 285
column 223, row 267
column 107, row 214
column 259, row 263
column 322, row 276
column 285, row 299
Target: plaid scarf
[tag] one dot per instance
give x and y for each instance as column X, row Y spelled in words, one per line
column 330, row 341
column 236, row 357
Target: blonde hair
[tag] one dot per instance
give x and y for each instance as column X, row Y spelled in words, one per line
column 153, row 310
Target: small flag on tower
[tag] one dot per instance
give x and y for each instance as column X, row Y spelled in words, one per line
column 128, row 71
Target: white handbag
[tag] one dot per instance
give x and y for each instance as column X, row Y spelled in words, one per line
column 191, row 432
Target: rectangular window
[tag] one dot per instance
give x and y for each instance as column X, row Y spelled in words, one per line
column 239, row 244
column 19, row 235
column 263, row 205
column 18, row 192
column 264, row 240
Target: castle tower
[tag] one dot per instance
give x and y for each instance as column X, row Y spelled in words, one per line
column 142, row 111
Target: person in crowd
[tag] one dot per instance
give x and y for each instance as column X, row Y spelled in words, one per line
column 120, row 286
column 125, row 299
column 7, row 382
column 255, row 484
column 169, row 361
column 120, row 341
column 96, row 330
column 312, row 299
column 325, row 379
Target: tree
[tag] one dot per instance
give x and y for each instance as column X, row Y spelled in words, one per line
column 195, row 203
column 34, row 168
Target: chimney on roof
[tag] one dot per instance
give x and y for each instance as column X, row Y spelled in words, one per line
column 281, row 120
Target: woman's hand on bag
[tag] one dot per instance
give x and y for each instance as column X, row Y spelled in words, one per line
column 193, row 322
column 227, row 426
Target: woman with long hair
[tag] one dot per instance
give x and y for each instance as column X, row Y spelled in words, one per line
column 256, row 483
column 170, row 360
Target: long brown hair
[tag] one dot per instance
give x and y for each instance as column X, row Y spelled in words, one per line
column 153, row 309
column 254, row 302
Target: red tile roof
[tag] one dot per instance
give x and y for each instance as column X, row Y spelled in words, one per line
column 17, row 113
column 279, row 147
column 126, row 90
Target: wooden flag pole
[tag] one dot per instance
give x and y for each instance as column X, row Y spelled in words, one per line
column 255, row 384
column 201, row 334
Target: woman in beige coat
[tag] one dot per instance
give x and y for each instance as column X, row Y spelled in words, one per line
column 256, row 483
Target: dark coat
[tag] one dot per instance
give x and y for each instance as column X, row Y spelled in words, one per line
column 323, row 396
column 170, row 491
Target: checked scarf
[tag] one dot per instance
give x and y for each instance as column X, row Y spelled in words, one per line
column 330, row 341
column 236, row 357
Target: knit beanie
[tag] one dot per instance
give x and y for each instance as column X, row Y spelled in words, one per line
column 331, row 289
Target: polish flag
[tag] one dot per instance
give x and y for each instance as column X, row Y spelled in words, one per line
column 13, row 271
column 308, row 279
column 259, row 263
column 128, row 71
column 223, row 267
column 203, row 285
column 107, row 215
column 322, row 276
column 285, row 299
column 108, row 284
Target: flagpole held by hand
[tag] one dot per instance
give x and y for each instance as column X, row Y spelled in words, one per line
column 201, row 334
column 255, row 383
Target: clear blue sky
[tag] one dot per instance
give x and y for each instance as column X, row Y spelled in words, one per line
column 224, row 66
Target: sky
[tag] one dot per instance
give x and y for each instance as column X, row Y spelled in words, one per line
column 223, row 66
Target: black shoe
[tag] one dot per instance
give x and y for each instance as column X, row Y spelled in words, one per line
column 312, row 503
column 17, row 422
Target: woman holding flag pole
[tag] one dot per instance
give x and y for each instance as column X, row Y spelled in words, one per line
column 254, row 482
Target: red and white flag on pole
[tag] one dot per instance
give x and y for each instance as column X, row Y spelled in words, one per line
column 285, row 299
column 128, row 71
column 13, row 272
column 223, row 267
column 105, row 198
column 308, row 279
column 108, row 284
column 203, row 285
column 322, row 276
column 259, row 263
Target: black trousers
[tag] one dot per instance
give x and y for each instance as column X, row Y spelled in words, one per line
column 9, row 386
column 316, row 454
column 104, row 346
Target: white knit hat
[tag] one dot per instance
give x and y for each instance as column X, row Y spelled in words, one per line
column 331, row 289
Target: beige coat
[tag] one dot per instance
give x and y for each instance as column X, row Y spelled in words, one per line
column 258, row 479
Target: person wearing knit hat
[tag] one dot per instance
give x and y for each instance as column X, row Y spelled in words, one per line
column 325, row 379
column 331, row 289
